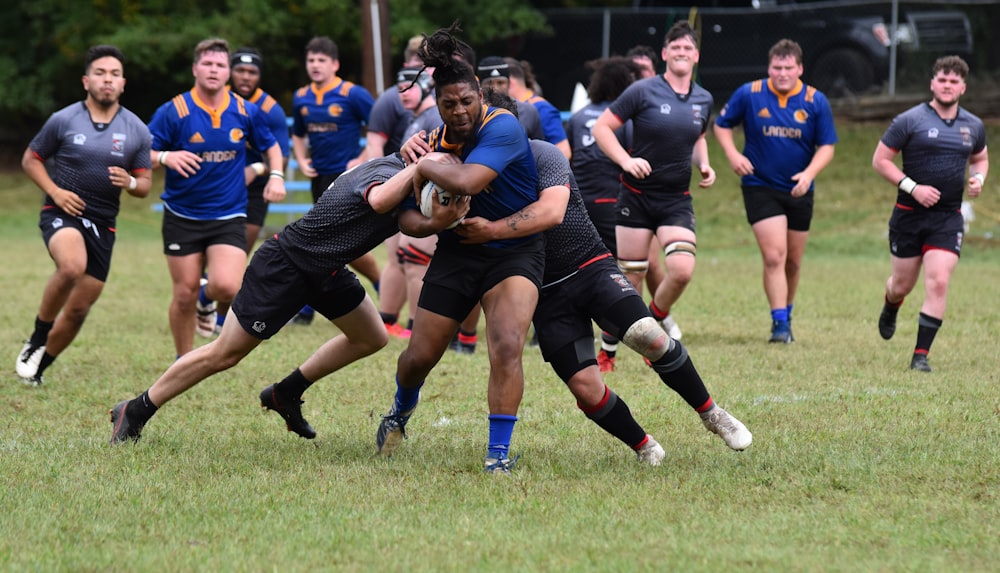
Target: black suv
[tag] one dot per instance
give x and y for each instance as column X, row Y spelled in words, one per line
column 845, row 43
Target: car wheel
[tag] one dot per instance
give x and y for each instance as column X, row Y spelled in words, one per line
column 842, row 72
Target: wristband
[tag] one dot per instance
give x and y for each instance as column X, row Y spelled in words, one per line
column 162, row 158
column 907, row 185
column 980, row 177
column 278, row 174
column 132, row 183
column 258, row 168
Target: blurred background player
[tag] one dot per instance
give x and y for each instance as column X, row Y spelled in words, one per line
column 598, row 177
column 205, row 189
column 326, row 132
column 521, row 90
column 670, row 115
column 85, row 155
column 789, row 138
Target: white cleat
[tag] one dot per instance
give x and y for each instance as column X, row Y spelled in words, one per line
column 28, row 360
column 731, row 430
column 651, row 452
column 670, row 325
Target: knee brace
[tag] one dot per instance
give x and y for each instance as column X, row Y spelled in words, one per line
column 646, row 337
column 633, row 266
column 413, row 255
column 686, row 247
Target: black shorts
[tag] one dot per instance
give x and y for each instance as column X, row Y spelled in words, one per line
column 187, row 236
column 763, row 202
column 604, row 214
column 274, row 290
column 459, row 275
column 912, row 233
column 567, row 308
column 321, row 183
column 652, row 211
column 99, row 240
column 256, row 205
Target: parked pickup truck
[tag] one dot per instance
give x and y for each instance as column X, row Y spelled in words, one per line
column 845, row 43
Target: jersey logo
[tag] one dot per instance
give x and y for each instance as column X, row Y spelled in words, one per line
column 665, row 108
column 117, row 143
column 236, row 135
column 304, row 111
column 696, row 110
column 801, row 115
column 335, row 110
column 79, row 139
column 932, row 133
column 196, row 138
column 765, row 113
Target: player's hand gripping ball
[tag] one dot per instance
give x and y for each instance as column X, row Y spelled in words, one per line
column 427, row 197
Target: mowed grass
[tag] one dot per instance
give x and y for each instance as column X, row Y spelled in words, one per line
column 858, row 464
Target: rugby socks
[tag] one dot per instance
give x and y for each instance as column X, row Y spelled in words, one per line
column 927, row 328
column 45, row 362
column 609, row 344
column 679, row 374
column 406, row 398
column 467, row 340
column 706, row 407
column 656, row 312
column 780, row 314
column 295, row 384
column 40, row 336
column 141, row 408
column 202, row 297
column 388, row 317
column 614, row 417
column 501, row 429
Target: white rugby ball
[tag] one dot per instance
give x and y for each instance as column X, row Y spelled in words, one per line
column 427, row 197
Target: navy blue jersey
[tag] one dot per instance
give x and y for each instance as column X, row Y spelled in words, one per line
column 277, row 122
column 781, row 132
column 331, row 117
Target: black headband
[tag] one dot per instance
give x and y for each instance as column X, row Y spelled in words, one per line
column 247, row 58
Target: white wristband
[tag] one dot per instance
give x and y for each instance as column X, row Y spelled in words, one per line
column 259, row 168
column 162, row 158
column 907, row 185
column 132, row 183
column 980, row 177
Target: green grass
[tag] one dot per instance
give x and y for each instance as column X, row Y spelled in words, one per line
column 858, row 464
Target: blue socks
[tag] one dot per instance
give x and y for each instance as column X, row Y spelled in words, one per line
column 406, row 398
column 501, row 429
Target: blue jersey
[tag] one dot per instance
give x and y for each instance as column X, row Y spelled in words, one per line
column 782, row 132
column 218, row 189
column 331, row 117
column 277, row 122
column 500, row 144
column 552, row 125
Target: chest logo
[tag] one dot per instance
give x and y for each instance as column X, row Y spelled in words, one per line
column 801, row 115
column 764, row 113
column 932, row 133
column 236, row 135
column 79, row 139
column 665, row 109
column 335, row 110
column 197, row 138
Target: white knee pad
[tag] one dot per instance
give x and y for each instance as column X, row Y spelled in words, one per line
column 633, row 266
column 643, row 336
column 686, row 247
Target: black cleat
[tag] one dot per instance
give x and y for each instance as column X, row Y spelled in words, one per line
column 124, row 430
column 289, row 409
column 887, row 321
column 919, row 362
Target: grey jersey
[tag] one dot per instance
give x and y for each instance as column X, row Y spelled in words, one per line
column 528, row 116
column 77, row 153
column 666, row 127
column 597, row 175
column 574, row 242
column 427, row 121
column 390, row 118
column 341, row 226
column 935, row 151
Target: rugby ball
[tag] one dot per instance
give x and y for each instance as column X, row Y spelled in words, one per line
column 427, row 197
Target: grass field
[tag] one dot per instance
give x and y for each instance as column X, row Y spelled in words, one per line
column 858, row 464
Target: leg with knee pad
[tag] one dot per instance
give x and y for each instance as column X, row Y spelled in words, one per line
column 646, row 337
column 673, row 359
column 633, row 266
column 686, row 247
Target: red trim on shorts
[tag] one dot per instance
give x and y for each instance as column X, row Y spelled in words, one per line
column 606, row 200
column 594, row 260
